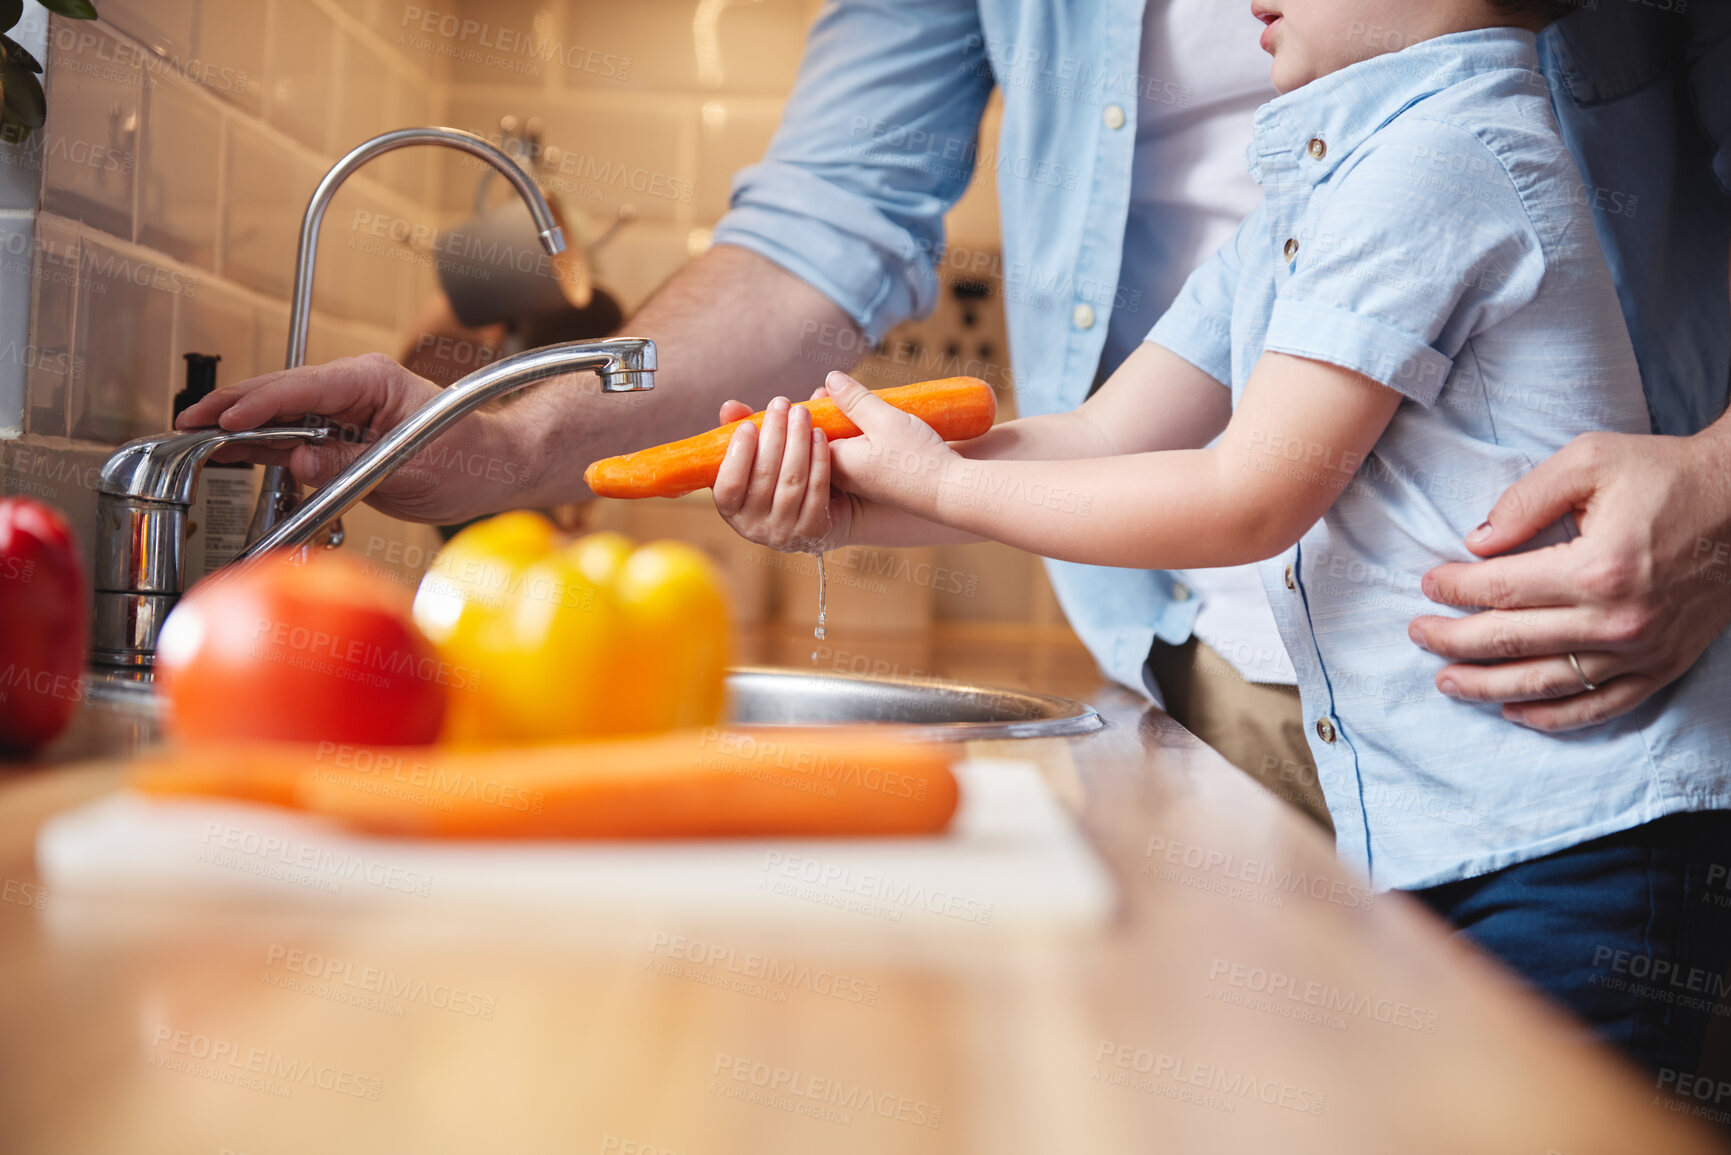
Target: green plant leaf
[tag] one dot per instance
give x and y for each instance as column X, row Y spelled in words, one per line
column 23, row 95
column 11, row 11
column 16, row 53
column 71, row 9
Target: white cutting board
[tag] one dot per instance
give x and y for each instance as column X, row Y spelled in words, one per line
column 1011, row 860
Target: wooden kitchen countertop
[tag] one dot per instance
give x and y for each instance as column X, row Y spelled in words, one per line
column 1170, row 1031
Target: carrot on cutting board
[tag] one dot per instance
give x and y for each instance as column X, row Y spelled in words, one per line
column 250, row 771
column 957, row 407
column 689, row 783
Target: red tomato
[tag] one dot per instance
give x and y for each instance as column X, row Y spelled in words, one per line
column 43, row 624
column 292, row 651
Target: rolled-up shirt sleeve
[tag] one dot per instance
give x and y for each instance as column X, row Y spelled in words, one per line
column 1198, row 325
column 877, row 141
column 1423, row 242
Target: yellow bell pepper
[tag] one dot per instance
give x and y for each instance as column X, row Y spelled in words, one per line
column 574, row 639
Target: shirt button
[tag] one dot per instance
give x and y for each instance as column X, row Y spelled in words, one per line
column 1325, row 730
column 1083, row 315
column 1291, row 582
column 1291, row 249
column 1114, row 116
column 1180, row 592
column 1318, row 149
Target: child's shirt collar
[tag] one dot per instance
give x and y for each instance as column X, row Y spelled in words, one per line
column 1316, row 127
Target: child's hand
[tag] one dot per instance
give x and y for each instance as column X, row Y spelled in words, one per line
column 898, row 460
column 774, row 488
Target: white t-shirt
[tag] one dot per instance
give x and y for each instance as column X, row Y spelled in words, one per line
column 1190, row 190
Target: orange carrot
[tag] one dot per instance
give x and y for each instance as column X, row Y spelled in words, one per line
column 251, row 771
column 957, row 407
column 689, row 783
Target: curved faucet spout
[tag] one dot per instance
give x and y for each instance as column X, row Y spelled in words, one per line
column 625, row 364
column 301, row 303
column 278, row 492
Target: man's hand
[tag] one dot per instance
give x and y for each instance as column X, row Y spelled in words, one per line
column 1637, row 597
column 468, row 470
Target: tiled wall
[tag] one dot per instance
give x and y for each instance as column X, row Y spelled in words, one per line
column 630, row 115
column 653, row 103
column 185, row 136
column 183, row 141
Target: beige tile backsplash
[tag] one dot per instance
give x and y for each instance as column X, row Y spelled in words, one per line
column 163, row 201
column 733, row 133
column 231, row 49
column 369, row 97
column 166, row 27
column 410, row 171
column 165, row 195
column 270, row 336
column 125, row 320
column 17, row 240
column 301, row 50
column 52, row 365
column 267, row 190
column 178, row 205
column 685, row 46
column 91, row 139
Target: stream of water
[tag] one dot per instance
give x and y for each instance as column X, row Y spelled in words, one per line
column 821, row 632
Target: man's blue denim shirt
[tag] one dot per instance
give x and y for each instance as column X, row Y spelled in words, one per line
column 879, row 138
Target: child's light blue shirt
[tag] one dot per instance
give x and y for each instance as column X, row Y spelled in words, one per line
column 1425, row 226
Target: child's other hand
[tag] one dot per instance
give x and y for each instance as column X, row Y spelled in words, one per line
column 899, row 460
column 774, row 488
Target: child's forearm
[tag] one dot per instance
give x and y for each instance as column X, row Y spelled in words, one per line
column 1049, row 436
column 1179, row 509
column 1105, row 486
column 1241, row 500
column 1156, row 400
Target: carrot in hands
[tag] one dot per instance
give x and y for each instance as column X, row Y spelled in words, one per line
column 957, row 407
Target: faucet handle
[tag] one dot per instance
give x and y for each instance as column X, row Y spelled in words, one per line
column 165, row 466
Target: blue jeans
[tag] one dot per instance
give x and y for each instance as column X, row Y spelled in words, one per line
column 1632, row 933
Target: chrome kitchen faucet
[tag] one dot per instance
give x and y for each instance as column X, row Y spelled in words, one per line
column 148, row 484
column 278, row 493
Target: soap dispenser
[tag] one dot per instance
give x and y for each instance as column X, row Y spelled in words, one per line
column 222, row 507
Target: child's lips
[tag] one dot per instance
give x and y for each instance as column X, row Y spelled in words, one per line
column 1268, row 33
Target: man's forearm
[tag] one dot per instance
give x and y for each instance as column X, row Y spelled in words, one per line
column 728, row 325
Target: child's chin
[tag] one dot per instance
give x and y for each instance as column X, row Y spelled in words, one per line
column 1287, row 75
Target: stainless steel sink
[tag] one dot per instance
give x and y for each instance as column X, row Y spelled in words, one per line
column 760, row 696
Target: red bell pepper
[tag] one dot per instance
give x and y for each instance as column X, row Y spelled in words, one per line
column 43, row 626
